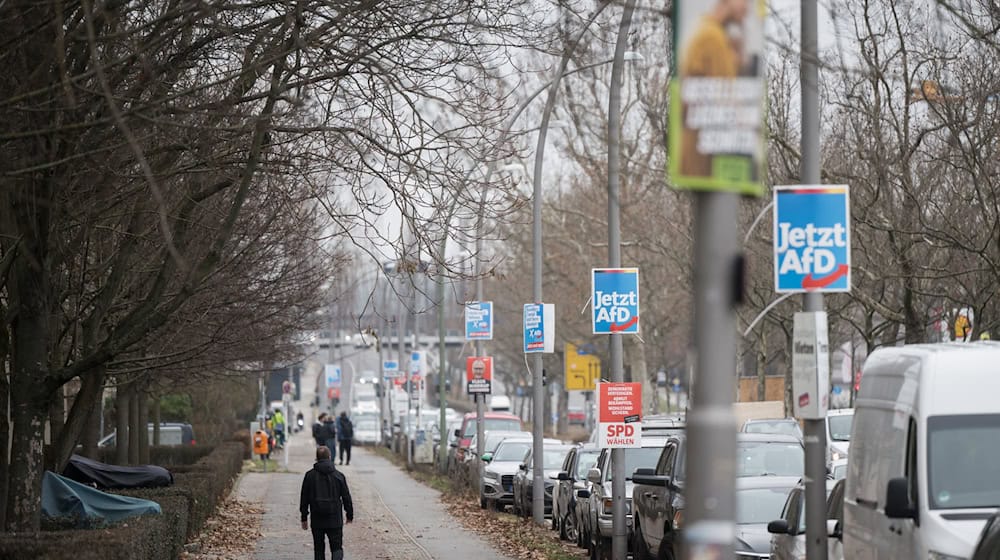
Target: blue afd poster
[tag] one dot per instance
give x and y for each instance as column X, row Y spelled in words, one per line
column 479, row 320
column 615, row 297
column 539, row 327
column 812, row 238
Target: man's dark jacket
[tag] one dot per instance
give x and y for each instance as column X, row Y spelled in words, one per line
column 308, row 498
column 327, row 431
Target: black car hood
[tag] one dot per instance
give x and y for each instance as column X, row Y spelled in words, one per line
column 753, row 537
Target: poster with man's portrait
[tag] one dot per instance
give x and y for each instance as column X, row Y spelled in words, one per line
column 479, row 374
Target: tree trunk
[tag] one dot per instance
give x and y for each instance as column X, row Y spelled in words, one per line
column 636, row 354
column 82, row 415
column 562, row 426
column 142, row 404
column 121, row 424
column 762, row 367
column 92, row 429
column 4, row 432
column 135, row 430
column 155, row 417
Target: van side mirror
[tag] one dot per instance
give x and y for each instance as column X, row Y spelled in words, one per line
column 897, row 500
column 778, row 527
column 458, row 432
column 594, row 475
column 563, row 475
column 523, row 467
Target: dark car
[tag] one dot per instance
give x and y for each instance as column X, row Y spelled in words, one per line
column 572, row 478
column 657, row 503
column 988, row 547
column 553, row 458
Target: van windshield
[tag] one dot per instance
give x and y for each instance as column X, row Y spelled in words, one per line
column 840, row 426
column 500, row 424
column 963, row 461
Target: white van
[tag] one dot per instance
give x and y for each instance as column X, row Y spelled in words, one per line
column 924, row 469
column 500, row 403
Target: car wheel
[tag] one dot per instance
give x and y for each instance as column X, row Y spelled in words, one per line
column 567, row 528
column 639, row 549
column 554, row 525
column 666, row 551
column 482, row 502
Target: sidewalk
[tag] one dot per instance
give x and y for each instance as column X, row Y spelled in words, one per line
column 395, row 516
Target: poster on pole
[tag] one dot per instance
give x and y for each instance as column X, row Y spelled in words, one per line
column 333, row 377
column 539, row 328
column 479, row 374
column 812, row 238
column 581, row 369
column 479, row 320
column 615, row 300
column 717, row 96
column 390, row 370
column 619, row 414
column 810, row 365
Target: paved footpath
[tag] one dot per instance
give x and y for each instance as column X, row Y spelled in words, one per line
column 395, row 516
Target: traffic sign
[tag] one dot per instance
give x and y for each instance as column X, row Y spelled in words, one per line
column 332, row 375
column 390, row 369
column 615, row 297
column 812, row 238
column 581, row 370
column 539, row 327
column 479, row 374
column 479, row 320
column 619, row 408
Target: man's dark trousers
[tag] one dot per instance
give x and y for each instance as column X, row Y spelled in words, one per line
column 345, row 445
column 331, row 444
column 336, row 537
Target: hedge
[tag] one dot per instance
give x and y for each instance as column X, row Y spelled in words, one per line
column 198, row 489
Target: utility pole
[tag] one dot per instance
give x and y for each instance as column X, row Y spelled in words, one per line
column 814, row 429
column 619, row 532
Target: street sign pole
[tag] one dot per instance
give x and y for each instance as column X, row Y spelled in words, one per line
column 814, row 429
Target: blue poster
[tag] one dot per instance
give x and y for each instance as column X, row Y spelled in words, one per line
column 615, row 297
column 390, row 370
column 479, row 320
column 534, row 327
column 332, row 375
column 812, row 239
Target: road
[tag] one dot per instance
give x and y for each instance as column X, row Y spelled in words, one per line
column 395, row 517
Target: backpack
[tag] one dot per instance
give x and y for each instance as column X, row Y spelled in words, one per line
column 326, row 502
column 346, row 429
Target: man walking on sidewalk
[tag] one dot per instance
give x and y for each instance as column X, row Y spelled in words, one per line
column 326, row 497
column 345, row 436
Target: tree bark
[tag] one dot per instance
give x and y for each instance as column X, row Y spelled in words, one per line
column 121, row 424
column 4, row 431
column 142, row 405
column 155, row 417
column 762, row 367
column 82, row 416
column 562, row 426
column 134, row 429
column 636, row 353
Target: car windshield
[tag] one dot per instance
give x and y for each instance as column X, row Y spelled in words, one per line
column 512, row 451
column 760, row 458
column 585, row 461
column 788, row 428
column 554, row 458
column 760, row 505
column 493, row 440
column 638, row 458
column 840, row 427
column 506, row 424
column 963, row 461
column 840, row 471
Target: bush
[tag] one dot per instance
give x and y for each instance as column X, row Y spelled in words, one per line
column 202, row 478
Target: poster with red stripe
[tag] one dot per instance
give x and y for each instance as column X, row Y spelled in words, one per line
column 619, row 415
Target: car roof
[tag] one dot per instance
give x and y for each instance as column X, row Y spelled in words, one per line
column 658, row 441
column 493, row 414
column 782, row 438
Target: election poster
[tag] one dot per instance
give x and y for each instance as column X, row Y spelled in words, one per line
column 619, row 415
column 479, row 374
column 615, row 297
column 717, row 96
column 812, row 238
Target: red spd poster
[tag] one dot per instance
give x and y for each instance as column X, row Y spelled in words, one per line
column 619, row 407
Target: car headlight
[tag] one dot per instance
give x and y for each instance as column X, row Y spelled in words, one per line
column 606, row 506
column 489, row 475
column 934, row 555
column 837, row 456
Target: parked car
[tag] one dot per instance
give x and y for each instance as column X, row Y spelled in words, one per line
column 658, row 425
column 835, row 521
column 988, row 546
column 491, row 421
column 788, row 532
column 787, row 426
column 497, row 483
column 921, row 478
column 366, row 430
column 171, row 433
column 576, row 417
column 769, row 455
column 570, row 479
column 838, row 469
column 553, row 455
column 838, row 433
column 598, row 526
column 499, row 403
column 658, row 503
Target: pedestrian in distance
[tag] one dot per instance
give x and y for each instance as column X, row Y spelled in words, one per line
column 329, row 434
column 345, row 436
column 326, row 497
column 317, row 430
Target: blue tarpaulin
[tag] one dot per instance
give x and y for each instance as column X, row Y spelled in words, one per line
column 62, row 498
